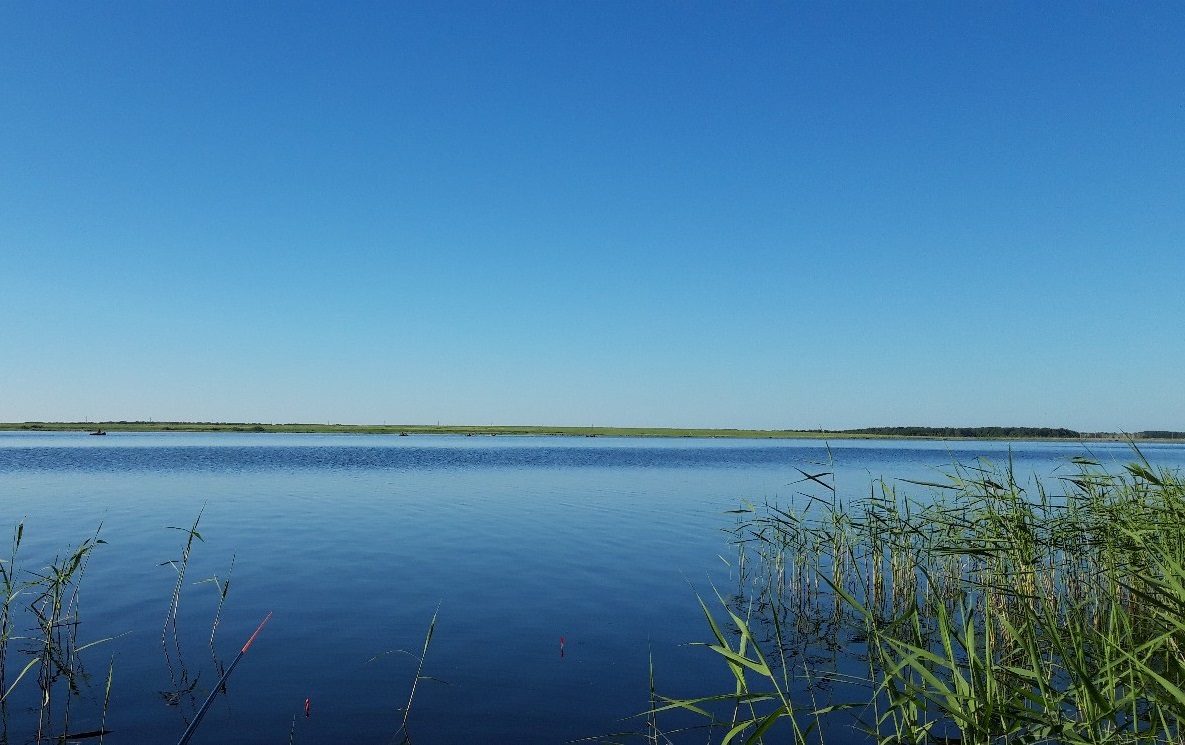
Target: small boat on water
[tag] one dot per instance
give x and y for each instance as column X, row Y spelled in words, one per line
column 98, row 432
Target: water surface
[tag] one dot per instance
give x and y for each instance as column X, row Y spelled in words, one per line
column 355, row 541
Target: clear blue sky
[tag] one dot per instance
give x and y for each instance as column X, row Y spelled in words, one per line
column 770, row 215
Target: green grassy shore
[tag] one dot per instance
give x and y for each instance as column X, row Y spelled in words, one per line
column 944, row 433
column 410, row 429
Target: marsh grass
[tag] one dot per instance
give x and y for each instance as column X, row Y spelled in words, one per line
column 40, row 619
column 11, row 590
column 49, row 600
column 54, row 680
column 170, row 640
column 402, row 735
column 991, row 611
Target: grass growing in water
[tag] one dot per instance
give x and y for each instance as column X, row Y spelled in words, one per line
column 51, row 597
column 993, row 612
column 53, row 685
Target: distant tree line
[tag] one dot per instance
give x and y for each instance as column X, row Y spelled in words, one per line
column 1159, row 434
column 983, row 432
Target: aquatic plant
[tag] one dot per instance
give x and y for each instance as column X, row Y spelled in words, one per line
column 402, row 735
column 990, row 611
column 52, row 642
column 48, row 600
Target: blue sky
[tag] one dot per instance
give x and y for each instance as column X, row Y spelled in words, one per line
column 769, row 215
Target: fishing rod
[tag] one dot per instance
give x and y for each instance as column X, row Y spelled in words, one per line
column 210, row 699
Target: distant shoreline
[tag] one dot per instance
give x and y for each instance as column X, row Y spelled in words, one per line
column 875, row 433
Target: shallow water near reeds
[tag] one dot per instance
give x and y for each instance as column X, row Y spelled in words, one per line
column 353, row 542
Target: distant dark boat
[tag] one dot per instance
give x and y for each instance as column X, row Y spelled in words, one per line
column 98, row 432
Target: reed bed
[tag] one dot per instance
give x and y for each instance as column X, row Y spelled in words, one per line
column 992, row 610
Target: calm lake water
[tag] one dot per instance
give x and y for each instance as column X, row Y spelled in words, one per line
column 355, row 541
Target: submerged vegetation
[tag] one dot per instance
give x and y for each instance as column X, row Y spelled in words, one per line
column 994, row 611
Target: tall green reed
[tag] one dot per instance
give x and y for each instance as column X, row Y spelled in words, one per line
column 11, row 589
column 992, row 610
column 52, row 640
column 402, row 735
